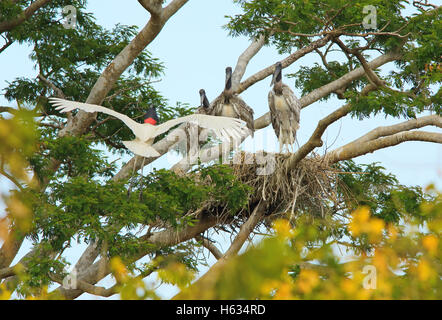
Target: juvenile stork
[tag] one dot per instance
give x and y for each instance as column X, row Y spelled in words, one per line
column 284, row 110
column 228, row 104
column 204, row 107
column 195, row 135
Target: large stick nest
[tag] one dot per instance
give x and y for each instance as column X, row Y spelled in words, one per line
column 311, row 187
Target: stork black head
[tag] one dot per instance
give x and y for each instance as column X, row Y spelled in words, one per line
column 228, row 78
column 151, row 116
column 204, row 101
column 277, row 74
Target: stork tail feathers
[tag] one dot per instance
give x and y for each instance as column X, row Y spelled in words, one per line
column 141, row 149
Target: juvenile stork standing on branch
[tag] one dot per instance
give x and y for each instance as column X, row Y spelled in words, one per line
column 193, row 133
column 229, row 104
column 285, row 110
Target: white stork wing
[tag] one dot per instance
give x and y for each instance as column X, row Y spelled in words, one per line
column 223, row 127
column 66, row 106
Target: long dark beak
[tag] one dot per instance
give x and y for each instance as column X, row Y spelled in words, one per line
column 228, row 75
column 273, row 79
column 278, row 68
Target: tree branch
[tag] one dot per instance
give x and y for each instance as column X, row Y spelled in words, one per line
column 245, row 231
column 202, row 288
column 153, row 6
column 210, row 246
column 315, row 139
column 7, row 272
column 121, row 62
column 342, row 82
column 166, row 238
column 50, row 84
column 384, row 137
column 23, row 16
column 285, row 63
column 244, row 60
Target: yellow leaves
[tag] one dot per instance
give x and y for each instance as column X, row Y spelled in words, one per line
column 282, row 228
column 284, row 292
column 177, row 274
column 392, row 232
column 363, row 223
column 424, row 271
column 118, row 269
column 308, row 280
column 431, row 243
column 128, row 286
column 17, row 135
column 268, row 286
column 21, row 214
column 5, row 294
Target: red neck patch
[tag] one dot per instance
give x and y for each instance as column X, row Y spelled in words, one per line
column 150, row 121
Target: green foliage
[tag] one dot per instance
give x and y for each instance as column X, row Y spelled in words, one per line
column 381, row 192
column 311, row 78
column 287, row 266
column 81, row 203
column 293, row 24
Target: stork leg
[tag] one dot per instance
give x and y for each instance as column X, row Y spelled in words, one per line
column 140, row 197
column 129, row 190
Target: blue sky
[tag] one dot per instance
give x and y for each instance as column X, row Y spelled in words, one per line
column 195, row 50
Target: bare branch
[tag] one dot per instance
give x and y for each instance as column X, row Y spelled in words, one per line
column 168, row 237
column 205, row 283
column 389, row 136
column 244, row 60
column 210, row 246
column 7, row 272
column 245, row 231
column 6, row 45
column 89, row 288
column 51, row 85
column 431, row 120
column 153, row 6
column 285, row 63
column 121, row 62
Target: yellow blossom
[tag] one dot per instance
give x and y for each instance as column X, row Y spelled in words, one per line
column 359, row 218
column 308, row 280
column 430, row 243
column 5, row 294
column 424, row 271
column 392, row 232
column 119, row 269
column 284, row 292
column 362, row 223
column 282, row 228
